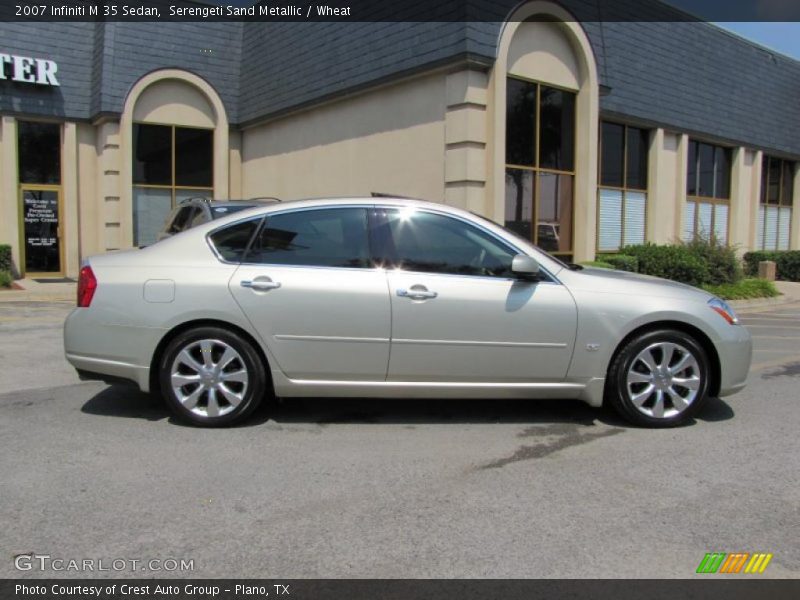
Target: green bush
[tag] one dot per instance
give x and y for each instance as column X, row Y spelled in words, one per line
column 5, row 257
column 623, row 262
column 720, row 259
column 600, row 264
column 787, row 263
column 5, row 279
column 670, row 262
column 744, row 289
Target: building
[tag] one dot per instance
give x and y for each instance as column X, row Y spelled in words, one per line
column 579, row 130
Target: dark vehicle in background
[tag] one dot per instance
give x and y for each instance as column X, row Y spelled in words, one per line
column 195, row 211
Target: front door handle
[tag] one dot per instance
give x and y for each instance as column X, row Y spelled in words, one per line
column 260, row 285
column 416, row 292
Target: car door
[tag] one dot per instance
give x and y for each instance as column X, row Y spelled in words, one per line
column 458, row 313
column 309, row 287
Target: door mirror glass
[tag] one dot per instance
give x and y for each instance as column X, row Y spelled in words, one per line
column 525, row 266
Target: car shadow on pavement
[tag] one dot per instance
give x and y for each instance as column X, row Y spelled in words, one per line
column 128, row 402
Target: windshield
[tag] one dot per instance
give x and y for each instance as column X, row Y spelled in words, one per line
column 524, row 239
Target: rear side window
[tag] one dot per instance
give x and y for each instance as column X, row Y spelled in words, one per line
column 231, row 242
column 334, row 237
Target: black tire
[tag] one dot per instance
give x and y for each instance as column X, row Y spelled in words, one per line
column 248, row 360
column 620, row 395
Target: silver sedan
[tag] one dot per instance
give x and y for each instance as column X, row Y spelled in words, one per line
column 393, row 298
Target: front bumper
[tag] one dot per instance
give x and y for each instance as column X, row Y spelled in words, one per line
column 735, row 351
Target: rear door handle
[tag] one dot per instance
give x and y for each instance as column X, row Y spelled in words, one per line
column 260, row 285
column 416, row 294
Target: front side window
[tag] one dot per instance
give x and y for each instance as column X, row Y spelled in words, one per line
column 540, row 164
column 622, row 194
column 331, row 237
column 170, row 165
column 777, row 199
column 708, row 192
column 433, row 243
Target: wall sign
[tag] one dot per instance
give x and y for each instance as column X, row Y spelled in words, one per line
column 28, row 70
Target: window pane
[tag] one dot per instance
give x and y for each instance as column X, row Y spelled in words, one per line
column 519, row 202
column 434, row 243
column 788, row 183
column 760, row 228
column 557, row 129
column 771, row 232
column 638, row 141
column 688, row 221
column 520, row 122
column 764, row 178
column 152, row 154
column 773, row 189
column 691, row 170
column 194, row 156
column 721, row 223
column 634, row 218
column 40, row 231
column 705, row 170
column 232, row 241
column 705, row 211
column 39, row 152
column 151, row 206
column 554, row 223
column 784, row 220
column 609, row 220
column 611, row 161
column 335, row 237
column 722, row 187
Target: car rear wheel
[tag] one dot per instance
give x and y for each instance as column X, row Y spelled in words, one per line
column 659, row 379
column 212, row 377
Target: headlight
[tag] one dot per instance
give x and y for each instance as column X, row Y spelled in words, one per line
column 722, row 308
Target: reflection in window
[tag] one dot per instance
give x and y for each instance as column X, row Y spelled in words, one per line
column 540, row 163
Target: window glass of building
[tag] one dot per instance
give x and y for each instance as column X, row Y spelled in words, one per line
column 540, row 164
column 773, row 228
column 622, row 196
column 170, row 164
column 708, row 178
column 39, row 159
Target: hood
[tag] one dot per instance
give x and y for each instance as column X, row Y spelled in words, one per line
column 623, row 282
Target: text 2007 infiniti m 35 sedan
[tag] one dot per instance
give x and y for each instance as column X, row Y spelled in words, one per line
column 393, row 298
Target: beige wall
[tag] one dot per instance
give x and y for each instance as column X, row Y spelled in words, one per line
column 9, row 202
column 666, row 187
column 390, row 140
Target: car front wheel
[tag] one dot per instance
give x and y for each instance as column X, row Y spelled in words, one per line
column 212, row 377
column 659, row 379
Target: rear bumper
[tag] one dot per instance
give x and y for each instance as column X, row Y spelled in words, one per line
column 90, row 368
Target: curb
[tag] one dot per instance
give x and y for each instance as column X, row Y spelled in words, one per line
column 26, row 296
column 745, row 305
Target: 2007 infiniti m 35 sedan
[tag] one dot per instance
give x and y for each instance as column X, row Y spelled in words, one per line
column 392, row 298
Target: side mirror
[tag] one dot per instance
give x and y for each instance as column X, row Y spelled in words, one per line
column 525, row 267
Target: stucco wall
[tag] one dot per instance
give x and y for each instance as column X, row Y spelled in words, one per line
column 390, row 140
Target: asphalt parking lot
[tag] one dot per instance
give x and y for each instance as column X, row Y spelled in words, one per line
column 360, row 488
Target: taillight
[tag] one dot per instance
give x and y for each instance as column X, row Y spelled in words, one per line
column 87, row 284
